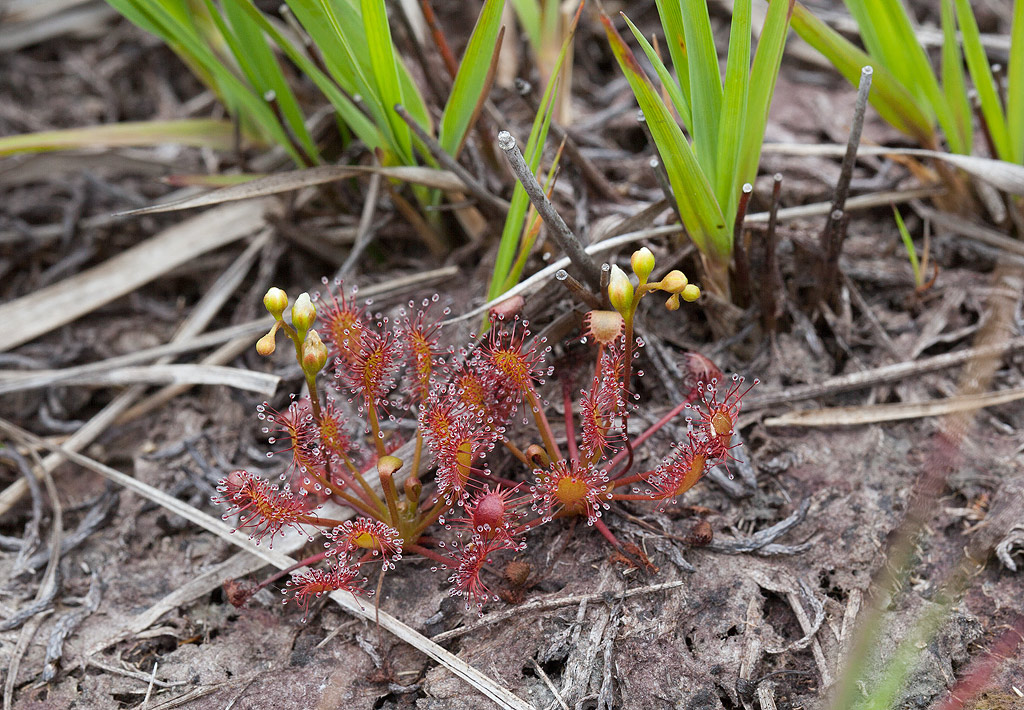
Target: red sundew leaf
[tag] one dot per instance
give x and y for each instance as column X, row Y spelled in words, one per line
column 420, row 335
column 306, row 587
column 264, row 508
column 465, row 579
column 718, row 418
column 687, row 464
column 511, row 360
column 343, row 325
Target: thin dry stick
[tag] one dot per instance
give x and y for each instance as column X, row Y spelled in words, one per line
column 771, row 286
column 740, row 258
column 577, row 289
column 853, row 142
column 363, row 233
column 569, row 242
column 259, row 382
column 489, row 201
column 881, row 375
column 547, row 681
column 34, row 314
column 849, row 416
column 483, row 683
column 32, row 379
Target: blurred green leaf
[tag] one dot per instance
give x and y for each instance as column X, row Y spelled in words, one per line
column 695, row 198
column 472, row 79
column 197, row 132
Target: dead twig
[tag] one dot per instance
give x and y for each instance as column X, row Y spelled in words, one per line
column 881, row 375
column 569, row 242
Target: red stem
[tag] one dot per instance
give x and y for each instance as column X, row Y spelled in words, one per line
column 430, row 554
column 651, row 431
column 603, row 529
column 312, row 560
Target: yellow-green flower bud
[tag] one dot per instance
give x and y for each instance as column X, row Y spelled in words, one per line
column 642, row 262
column 314, row 354
column 673, row 302
column 266, row 345
column 276, row 301
column 303, row 313
column 691, row 293
column 674, row 282
column 620, row 291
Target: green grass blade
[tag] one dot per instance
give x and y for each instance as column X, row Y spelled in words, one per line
column 908, row 244
column 961, row 136
column 257, row 60
column 675, row 93
column 670, row 12
column 515, row 221
column 142, row 16
column 984, row 83
column 385, row 73
column 355, row 119
column 236, row 94
column 732, row 118
column 917, row 67
column 1015, row 85
column 528, row 12
column 705, row 84
column 335, row 26
column 763, row 74
column 870, row 35
column 198, row 132
column 472, row 78
column 904, row 659
column 695, row 198
column 889, row 97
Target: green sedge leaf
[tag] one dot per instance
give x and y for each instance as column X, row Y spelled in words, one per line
column 1015, row 85
column 675, row 93
column 471, row 80
column 889, row 97
column 984, row 83
column 528, row 12
column 385, row 73
column 515, row 221
column 670, row 12
column 695, row 198
column 198, row 132
column 908, row 244
column 763, row 75
column 961, row 136
column 733, row 116
column 705, row 84
column 354, row 118
column 259, row 65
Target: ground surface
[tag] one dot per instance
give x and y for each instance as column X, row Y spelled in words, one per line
column 695, row 640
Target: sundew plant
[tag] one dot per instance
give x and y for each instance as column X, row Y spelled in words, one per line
column 444, row 501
